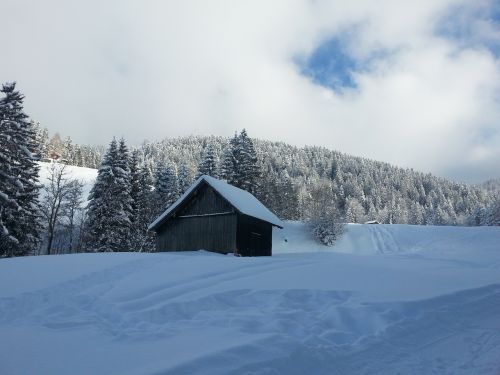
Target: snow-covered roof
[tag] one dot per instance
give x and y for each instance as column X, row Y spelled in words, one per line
column 241, row 200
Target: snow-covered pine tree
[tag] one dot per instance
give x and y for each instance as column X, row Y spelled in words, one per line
column 208, row 164
column 145, row 211
column 325, row 219
column 9, row 184
column 291, row 198
column 96, row 224
column 44, row 143
column 135, row 185
column 122, row 202
column 227, row 163
column 68, row 155
column 20, row 224
column 142, row 204
column 239, row 178
column 42, row 139
column 239, row 165
column 109, row 211
column 184, row 178
column 416, row 214
column 269, row 193
column 280, row 195
column 166, row 186
column 354, row 211
column 249, row 169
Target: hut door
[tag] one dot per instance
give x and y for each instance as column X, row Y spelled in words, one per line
column 255, row 243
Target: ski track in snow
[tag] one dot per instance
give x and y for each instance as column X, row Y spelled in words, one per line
column 397, row 310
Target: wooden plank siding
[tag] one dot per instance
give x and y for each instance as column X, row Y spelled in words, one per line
column 205, row 221
column 213, row 233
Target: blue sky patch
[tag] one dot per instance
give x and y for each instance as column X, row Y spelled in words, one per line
column 476, row 26
column 333, row 65
column 330, row 65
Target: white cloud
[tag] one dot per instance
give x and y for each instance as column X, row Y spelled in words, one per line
column 151, row 69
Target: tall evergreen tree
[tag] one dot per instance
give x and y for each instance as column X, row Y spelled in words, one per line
column 289, row 198
column 97, row 230
column 135, row 184
column 142, row 204
column 19, row 209
column 239, row 165
column 227, row 168
column 110, row 205
column 184, row 178
column 68, row 154
column 248, row 167
column 42, row 139
column 166, row 187
column 145, row 211
column 208, row 164
column 123, row 213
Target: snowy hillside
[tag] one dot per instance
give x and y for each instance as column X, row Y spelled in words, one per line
column 86, row 175
column 399, row 299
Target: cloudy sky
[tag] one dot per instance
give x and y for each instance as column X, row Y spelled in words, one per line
column 414, row 83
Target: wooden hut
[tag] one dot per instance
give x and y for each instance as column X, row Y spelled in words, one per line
column 215, row 216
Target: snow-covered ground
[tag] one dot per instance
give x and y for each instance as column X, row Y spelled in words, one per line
column 386, row 300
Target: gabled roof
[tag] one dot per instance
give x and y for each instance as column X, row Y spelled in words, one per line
column 244, row 202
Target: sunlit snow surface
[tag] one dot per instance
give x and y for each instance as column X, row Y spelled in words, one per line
column 387, row 300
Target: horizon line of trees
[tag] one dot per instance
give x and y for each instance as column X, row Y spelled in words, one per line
column 362, row 188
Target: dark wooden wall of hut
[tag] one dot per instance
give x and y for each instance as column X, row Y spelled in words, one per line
column 213, row 233
column 254, row 237
column 205, row 221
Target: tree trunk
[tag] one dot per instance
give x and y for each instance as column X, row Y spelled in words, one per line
column 50, row 239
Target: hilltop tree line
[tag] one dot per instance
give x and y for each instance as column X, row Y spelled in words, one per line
column 288, row 177
column 56, row 148
column 311, row 184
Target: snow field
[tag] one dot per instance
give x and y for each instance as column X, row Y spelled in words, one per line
column 424, row 301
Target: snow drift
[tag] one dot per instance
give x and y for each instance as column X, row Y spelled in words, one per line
column 412, row 300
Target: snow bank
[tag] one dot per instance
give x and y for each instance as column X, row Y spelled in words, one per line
column 411, row 310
